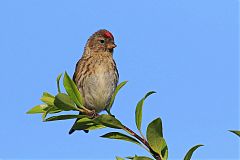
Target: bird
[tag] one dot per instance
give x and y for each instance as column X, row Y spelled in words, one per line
column 96, row 75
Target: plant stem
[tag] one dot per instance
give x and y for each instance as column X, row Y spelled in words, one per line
column 154, row 154
column 143, row 140
column 142, row 135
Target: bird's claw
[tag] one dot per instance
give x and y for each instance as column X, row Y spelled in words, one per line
column 91, row 113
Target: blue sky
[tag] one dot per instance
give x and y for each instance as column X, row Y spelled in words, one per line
column 187, row 51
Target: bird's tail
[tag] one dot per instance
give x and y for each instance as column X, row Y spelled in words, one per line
column 73, row 130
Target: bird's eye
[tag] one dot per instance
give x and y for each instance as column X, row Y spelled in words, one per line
column 102, row 41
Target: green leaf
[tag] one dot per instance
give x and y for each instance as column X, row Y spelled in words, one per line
column 164, row 149
column 86, row 124
column 129, row 157
column 64, row 117
column 138, row 111
column 47, row 98
column 190, row 152
column 235, row 132
column 58, row 84
column 115, row 93
column 165, row 157
column 46, row 94
column 52, row 109
column 142, row 158
column 72, row 90
column 155, row 135
column 108, row 121
column 37, row 109
column 64, row 102
column 44, row 115
column 93, row 127
column 119, row 158
column 120, row 136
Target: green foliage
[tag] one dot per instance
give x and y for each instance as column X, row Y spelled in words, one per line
column 108, row 121
column 121, row 136
column 47, row 98
column 114, row 95
column 37, row 109
column 87, row 124
column 64, row 117
column 139, row 158
column 138, row 112
column 235, row 132
column 129, row 157
column 64, row 102
column 72, row 100
column 142, row 158
column 155, row 137
column 164, row 149
column 190, row 152
column 72, row 90
column 58, row 82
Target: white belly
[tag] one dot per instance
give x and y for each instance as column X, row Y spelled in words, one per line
column 98, row 90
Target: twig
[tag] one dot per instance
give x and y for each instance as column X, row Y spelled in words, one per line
column 155, row 155
column 143, row 140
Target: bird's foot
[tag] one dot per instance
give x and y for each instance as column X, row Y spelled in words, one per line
column 91, row 113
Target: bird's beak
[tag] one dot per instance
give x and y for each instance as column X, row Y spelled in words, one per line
column 111, row 46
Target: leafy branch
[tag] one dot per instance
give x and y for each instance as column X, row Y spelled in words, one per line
column 153, row 142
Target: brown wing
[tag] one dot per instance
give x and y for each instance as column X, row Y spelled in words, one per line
column 81, row 71
column 74, row 75
column 115, row 68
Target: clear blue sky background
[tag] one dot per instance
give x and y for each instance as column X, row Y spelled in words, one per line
column 185, row 50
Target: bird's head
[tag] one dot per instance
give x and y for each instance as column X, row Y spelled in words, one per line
column 101, row 41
